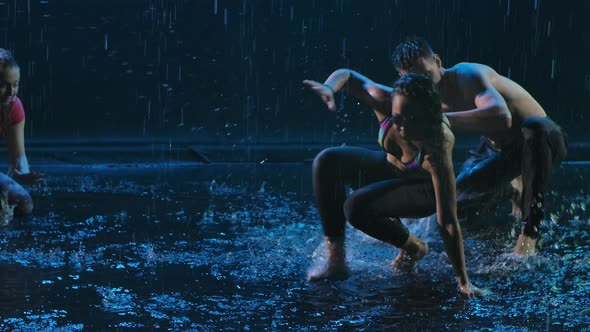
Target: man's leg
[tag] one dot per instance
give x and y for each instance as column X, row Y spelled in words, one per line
column 333, row 170
column 485, row 179
column 544, row 147
column 516, row 198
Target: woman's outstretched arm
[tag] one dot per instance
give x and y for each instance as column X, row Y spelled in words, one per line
column 377, row 96
column 440, row 165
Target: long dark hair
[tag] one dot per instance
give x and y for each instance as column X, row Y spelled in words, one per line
column 425, row 119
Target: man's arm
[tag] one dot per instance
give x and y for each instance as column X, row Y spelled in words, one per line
column 377, row 96
column 491, row 115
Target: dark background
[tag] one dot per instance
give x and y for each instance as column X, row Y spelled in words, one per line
column 220, row 71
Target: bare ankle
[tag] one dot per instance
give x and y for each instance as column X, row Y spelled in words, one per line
column 335, row 249
column 413, row 250
column 335, row 267
column 412, row 244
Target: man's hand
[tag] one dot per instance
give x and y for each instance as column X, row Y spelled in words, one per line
column 325, row 92
column 525, row 246
column 28, row 178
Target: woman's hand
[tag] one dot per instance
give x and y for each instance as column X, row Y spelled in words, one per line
column 472, row 291
column 324, row 91
column 28, row 178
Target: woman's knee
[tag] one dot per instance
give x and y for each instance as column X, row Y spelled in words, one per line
column 24, row 205
column 16, row 195
column 326, row 159
column 22, row 202
column 356, row 210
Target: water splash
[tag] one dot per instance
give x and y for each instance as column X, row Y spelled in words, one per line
column 6, row 211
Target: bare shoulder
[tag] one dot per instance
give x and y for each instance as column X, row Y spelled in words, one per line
column 471, row 70
column 473, row 76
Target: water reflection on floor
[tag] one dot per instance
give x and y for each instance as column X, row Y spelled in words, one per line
column 227, row 246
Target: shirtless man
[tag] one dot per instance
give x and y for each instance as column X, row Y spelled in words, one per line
column 520, row 144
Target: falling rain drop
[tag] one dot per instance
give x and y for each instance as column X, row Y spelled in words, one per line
column 181, row 124
column 225, row 17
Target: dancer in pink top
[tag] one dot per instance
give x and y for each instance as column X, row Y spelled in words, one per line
column 12, row 124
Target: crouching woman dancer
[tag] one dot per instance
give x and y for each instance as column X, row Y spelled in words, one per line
column 412, row 177
column 12, row 124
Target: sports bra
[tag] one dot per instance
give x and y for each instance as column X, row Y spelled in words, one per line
column 385, row 126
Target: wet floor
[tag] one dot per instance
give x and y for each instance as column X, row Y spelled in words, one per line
column 209, row 247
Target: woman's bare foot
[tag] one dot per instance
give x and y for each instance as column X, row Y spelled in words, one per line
column 336, row 268
column 330, row 272
column 525, row 246
column 413, row 251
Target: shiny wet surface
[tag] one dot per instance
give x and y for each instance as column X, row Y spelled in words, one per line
column 228, row 246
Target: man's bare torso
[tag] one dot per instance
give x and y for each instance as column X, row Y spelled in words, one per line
column 458, row 94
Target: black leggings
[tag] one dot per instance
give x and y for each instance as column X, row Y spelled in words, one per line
column 381, row 195
column 485, row 178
